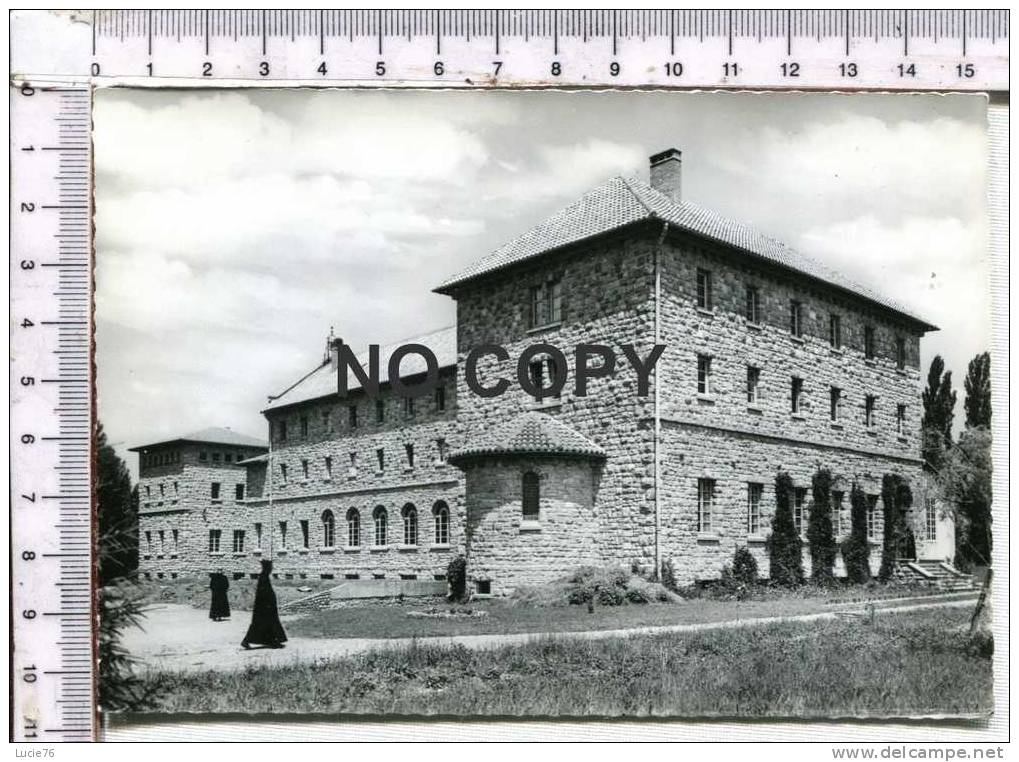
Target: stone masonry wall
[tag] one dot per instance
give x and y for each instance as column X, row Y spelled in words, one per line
column 508, row 551
column 606, row 299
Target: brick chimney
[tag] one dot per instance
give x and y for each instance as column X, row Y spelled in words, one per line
column 667, row 173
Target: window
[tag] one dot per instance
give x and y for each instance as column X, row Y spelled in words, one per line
column 703, row 374
column 238, row 492
column 440, row 398
column 543, row 375
column 258, row 535
column 410, row 524
column 408, row 406
column 930, row 513
column 705, row 505
column 704, row 295
column 352, row 416
column 148, row 542
column 215, row 457
column 546, row 304
column 835, row 404
column 148, row 491
column 753, row 384
column 283, row 535
column 353, row 464
column 868, row 411
column 900, row 352
column 836, row 514
column 799, row 506
column 380, row 457
column 238, row 541
column 327, row 421
column 872, row 531
column 304, row 470
column 215, row 490
column 162, row 489
column 162, row 542
column 797, row 396
column 175, row 534
column 353, row 528
column 531, row 496
column 328, row 462
column 835, row 331
column 409, row 448
column 214, row 537
column 440, row 517
column 176, row 488
column 281, row 431
column 328, row 529
column 868, row 342
column 440, row 449
column 228, row 457
column 203, row 455
column 753, row 305
column 795, row 318
column 900, row 420
column 754, row 492
column 379, row 518
column 304, row 534
column 380, row 411
column 283, row 472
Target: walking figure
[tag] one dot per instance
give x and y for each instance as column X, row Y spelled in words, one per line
column 220, row 607
column 265, row 629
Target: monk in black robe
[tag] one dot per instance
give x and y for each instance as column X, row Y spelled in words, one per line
column 220, row 607
column 265, row 629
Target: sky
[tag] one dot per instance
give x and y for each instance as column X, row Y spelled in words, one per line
column 234, row 229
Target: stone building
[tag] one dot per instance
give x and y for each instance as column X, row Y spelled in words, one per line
column 772, row 362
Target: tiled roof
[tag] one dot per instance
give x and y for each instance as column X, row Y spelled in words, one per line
column 531, row 433
column 212, row 435
column 321, row 382
column 621, row 202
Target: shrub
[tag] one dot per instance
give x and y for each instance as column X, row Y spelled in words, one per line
column 456, row 576
column 669, row 576
column 784, row 545
column 819, row 530
column 744, row 566
column 897, row 499
column 856, row 549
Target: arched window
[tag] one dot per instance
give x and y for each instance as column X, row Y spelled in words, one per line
column 531, row 496
column 328, row 529
column 353, row 528
column 410, row 524
column 379, row 517
column 440, row 513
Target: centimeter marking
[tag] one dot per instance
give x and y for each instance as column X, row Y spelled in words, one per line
column 790, row 49
column 51, row 413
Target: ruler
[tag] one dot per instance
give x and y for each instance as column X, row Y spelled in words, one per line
column 51, row 413
column 791, row 49
column 57, row 57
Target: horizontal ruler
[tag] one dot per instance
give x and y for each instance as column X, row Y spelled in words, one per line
column 792, row 49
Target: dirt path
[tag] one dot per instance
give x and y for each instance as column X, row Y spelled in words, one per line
column 181, row 638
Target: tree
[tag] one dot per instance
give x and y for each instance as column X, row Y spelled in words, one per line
column 896, row 498
column 784, row 546
column 856, row 547
column 938, row 412
column 965, row 482
column 978, row 391
column 819, row 530
column 117, row 514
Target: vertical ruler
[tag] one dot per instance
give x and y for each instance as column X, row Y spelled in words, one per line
column 51, row 413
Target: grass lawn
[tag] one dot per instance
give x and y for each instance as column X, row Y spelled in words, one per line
column 902, row 664
column 394, row 620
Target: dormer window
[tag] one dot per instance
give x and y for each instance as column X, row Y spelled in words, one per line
column 546, row 304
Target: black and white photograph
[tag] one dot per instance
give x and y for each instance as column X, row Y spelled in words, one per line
column 543, row 404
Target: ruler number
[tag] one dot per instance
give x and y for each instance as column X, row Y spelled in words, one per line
column 207, row 69
column 149, row 67
column 28, row 381
column 28, row 555
column 380, row 68
column 27, row 206
column 730, row 69
column 28, row 439
column 557, row 69
column 848, row 69
column 95, row 69
column 29, row 498
column 791, row 69
column 498, row 68
column 29, row 723
column 674, row 69
column 322, row 69
column 439, row 69
column 965, row 71
column 907, row 70
column 614, row 69
column 26, row 323
column 28, row 614
column 263, row 69
column 27, row 89
column 30, row 676
column 27, row 264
